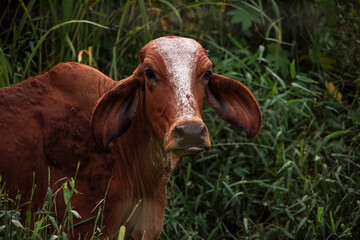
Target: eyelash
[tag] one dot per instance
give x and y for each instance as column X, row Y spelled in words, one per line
column 150, row 74
column 207, row 75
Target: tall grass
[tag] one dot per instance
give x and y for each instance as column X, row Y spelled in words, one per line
column 46, row 222
column 299, row 178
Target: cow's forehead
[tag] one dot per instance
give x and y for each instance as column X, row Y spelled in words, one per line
column 180, row 56
column 176, row 49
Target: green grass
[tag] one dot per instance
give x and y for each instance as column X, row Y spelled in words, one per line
column 299, row 179
column 17, row 221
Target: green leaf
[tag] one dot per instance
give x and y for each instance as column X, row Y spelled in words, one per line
column 246, row 225
column 76, row 214
column 54, row 223
column 261, row 51
column 320, row 214
column 121, row 235
column 292, row 69
column 28, row 217
column 304, row 89
column 328, row 138
column 289, row 235
column 301, row 224
column 332, row 222
column 49, row 195
column 145, row 22
column 17, row 223
column 279, row 58
column 38, row 226
column 281, row 81
column 305, row 79
column 244, row 15
column 43, row 37
column 287, row 164
column 71, row 46
column 66, row 193
column 64, row 236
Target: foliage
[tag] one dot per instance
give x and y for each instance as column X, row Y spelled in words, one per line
column 46, row 223
column 299, row 178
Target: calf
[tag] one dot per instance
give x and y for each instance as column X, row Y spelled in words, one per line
column 128, row 136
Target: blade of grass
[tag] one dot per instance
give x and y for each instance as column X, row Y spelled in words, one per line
column 113, row 68
column 43, row 37
column 144, row 18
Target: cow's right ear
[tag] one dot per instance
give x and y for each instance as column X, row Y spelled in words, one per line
column 114, row 111
column 235, row 103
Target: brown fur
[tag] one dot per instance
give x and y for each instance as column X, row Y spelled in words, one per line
column 117, row 131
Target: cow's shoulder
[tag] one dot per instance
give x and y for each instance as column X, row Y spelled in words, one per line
column 73, row 78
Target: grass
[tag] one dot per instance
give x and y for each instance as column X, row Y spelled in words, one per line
column 46, row 222
column 299, row 179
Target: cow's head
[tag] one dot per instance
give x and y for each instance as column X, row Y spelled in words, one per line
column 173, row 77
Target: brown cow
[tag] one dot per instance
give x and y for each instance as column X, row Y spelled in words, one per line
column 133, row 132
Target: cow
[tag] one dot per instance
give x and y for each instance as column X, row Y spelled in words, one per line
column 128, row 136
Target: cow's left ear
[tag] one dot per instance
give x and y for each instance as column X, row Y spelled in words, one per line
column 235, row 103
column 114, row 111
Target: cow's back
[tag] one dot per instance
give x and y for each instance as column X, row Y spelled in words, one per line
column 44, row 124
column 20, row 133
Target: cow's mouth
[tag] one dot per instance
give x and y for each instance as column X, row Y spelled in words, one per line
column 187, row 138
column 190, row 150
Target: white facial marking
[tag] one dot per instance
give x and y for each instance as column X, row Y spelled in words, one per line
column 180, row 56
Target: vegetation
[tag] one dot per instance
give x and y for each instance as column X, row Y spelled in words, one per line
column 299, row 179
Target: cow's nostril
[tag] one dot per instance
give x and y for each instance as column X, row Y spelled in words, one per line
column 192, row 137
column 179, row 130
column 190, row 130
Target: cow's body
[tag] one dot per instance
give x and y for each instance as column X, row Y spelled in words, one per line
column 45, row 122
column 66, row 116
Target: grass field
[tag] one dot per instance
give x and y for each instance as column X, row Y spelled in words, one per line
column 299, row 179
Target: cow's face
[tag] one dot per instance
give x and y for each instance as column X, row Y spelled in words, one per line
column 176, row 73
column 173, row 77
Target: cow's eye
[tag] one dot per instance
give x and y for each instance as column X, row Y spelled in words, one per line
column 207, row 75
column 150, row 75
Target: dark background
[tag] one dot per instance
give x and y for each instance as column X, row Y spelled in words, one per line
column 299, row 179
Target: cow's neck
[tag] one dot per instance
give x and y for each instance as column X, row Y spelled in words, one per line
column 143, row 172
column 144, row 163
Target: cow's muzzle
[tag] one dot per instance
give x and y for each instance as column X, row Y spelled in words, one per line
column 189, row 138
